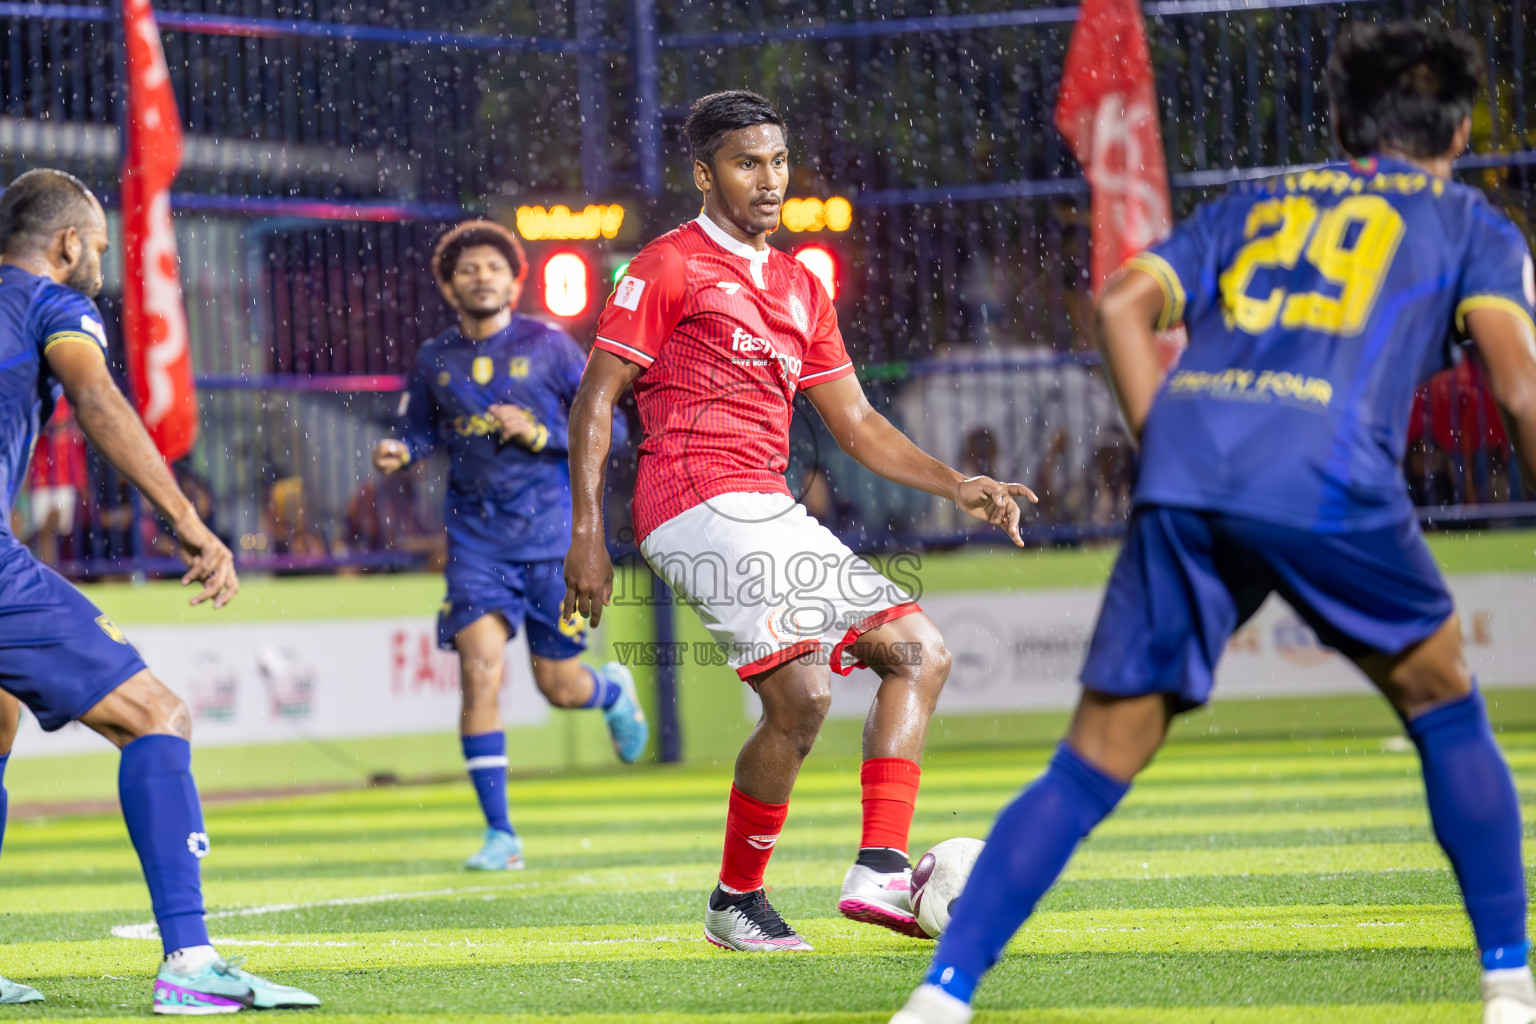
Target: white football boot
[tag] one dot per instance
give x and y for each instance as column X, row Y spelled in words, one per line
column 749, row 924
column 876, row 897
column 931, row 1005
column 1509, row 996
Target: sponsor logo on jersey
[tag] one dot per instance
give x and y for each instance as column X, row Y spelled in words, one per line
column 627, row 294
column 519, row 368
column 90, row 325
column 110, row 628
column 729, row 287
column 481, row 369
column 763, row 842
column 797, row 312
column 745, row 343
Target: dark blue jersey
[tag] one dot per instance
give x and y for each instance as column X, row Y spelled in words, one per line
column 1316, row 303
column 505, row 500
column 36, row 314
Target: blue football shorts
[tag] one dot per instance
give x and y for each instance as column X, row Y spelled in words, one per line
column 1186, row 580
column 58, row 653
column 527, row 594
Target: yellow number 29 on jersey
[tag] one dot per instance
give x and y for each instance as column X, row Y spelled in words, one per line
column 1350, row 244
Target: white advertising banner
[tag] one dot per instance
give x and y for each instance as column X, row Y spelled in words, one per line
column 1021, row 650
column 276, row 682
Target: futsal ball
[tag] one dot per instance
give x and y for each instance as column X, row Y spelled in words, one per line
column 938, row 880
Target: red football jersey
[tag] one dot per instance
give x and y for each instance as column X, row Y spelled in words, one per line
column 726, row 336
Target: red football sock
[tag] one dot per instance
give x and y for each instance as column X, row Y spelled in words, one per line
column 890, row 794
column 751, row 829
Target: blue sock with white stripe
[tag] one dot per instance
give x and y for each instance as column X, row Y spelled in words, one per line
column 605, row 692
column 165, row 822
column 5, row 800
column 1476, row 813
column 485, row 758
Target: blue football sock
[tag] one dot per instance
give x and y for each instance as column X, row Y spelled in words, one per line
column 1028, row 848
column 485, row 758
column 1476, row 814
column 165, row 822
column 605, row 692
column 5, row 800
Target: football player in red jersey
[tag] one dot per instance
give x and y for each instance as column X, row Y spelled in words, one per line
column 717, row 332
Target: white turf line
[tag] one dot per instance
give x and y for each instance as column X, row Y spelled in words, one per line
column 149, row 930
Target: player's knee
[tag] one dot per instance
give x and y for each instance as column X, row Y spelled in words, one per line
column 1431, row 673
column 934, row 659
column 800, row 713
column 164, row 713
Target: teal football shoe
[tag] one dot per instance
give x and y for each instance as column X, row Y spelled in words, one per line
column 222, row 987
column 13, row 992
column 626, row 722
column 502, row 852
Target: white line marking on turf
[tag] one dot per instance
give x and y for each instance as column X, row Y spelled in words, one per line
column 149, row 930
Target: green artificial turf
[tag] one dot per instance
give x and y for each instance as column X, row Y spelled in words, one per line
column 1263, row 881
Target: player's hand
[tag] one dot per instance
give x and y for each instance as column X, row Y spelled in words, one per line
column 517, row 423
column 209, row 562
column 588, row 577
column 985, row 498
column 389, row 455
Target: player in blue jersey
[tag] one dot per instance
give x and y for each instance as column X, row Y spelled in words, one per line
column 1315, row 304
column 62, row 657
column 496, row 392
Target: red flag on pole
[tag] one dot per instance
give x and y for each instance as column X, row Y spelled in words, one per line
column 154, row 319
column 1107, row 112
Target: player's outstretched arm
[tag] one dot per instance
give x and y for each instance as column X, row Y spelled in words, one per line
column 588, row 569
column 1508, row 351
column 1124, row 322
column 114, row 428
column 874, row 443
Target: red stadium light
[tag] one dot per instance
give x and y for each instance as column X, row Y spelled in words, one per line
column 818, row 259
column 567, row 284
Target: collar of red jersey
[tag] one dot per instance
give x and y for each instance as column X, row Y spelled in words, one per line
column 717, row 235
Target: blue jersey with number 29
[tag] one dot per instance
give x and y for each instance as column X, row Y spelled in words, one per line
column 1316, row 303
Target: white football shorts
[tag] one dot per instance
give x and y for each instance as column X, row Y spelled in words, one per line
column 770, row 583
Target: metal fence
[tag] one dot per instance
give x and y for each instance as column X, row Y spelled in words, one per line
column 328, row 144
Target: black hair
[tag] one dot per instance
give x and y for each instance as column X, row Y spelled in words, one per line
column 470, row 234
column 1402, row 85
column 712, row 116
column 41, row 203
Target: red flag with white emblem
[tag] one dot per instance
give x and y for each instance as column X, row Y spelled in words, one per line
column 1107, row 112
column 154, row 319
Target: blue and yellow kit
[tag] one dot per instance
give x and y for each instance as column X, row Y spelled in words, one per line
column 58, row 653
column 1316, row 303
column 508, row 506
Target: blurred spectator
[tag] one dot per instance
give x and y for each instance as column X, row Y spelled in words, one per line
column 56, row 480
column 286, row 524
column 385, row 514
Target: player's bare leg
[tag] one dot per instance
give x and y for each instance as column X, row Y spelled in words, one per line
column 796, row 697
column 572, row 683
column 913, row 664
column 482, row 649
column 152, row 726
column 1472, row 804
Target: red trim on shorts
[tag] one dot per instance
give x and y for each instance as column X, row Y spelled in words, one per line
column 777, row 658
column 858, row 629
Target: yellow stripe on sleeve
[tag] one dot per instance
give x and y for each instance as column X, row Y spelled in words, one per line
column 1174, row 297
column 78, row 337
column 1499, row 302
